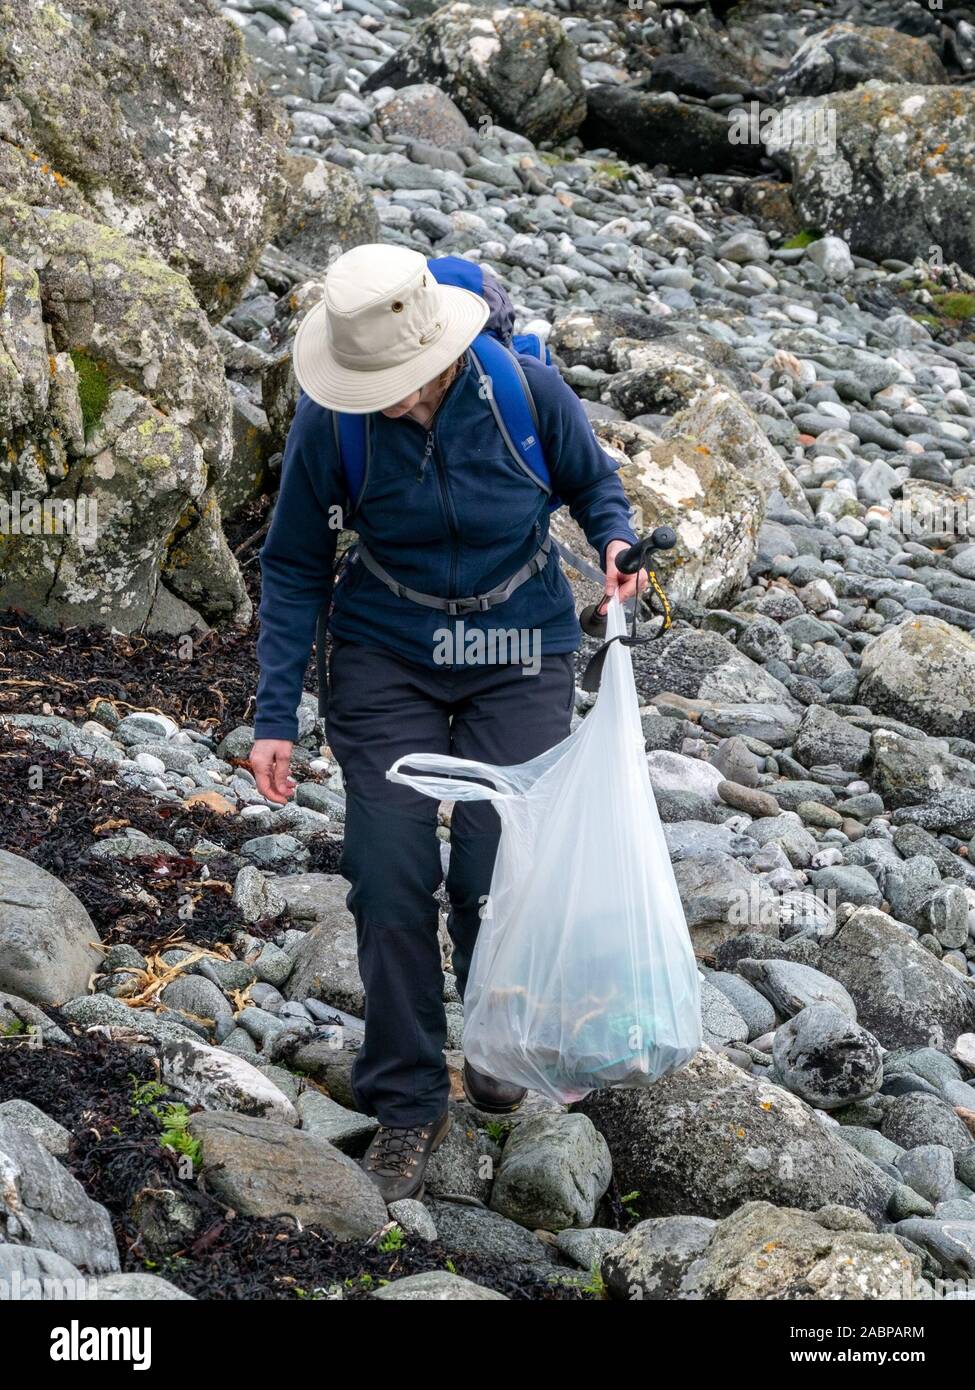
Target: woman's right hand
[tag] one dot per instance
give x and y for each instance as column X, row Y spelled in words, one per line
column 270, row 762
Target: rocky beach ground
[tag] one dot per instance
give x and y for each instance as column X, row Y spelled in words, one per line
column 774, row 337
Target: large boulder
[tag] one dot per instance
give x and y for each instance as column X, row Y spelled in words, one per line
column 714, row 509
column 913, row 772
column 827, row 1059
column 894, row 171
column 649, row 126
column 145, row 116
column 329, row 212
column 326, row 963
column 763, row 1251
column 720, row 421
column 923, row 672
column 512, row 64
column 48, row 943
column 42, row 1205
column 659, row 377
column 903, row 994
column 423, row 112
column 115, row 423
column 218, row 1080
column 703, row 665
column 263, row 1168
column 554, row 1170
column 611, row 339
column 710, row 1137
column 844, row 55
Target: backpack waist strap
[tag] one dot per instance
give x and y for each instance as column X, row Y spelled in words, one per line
column 456, row 607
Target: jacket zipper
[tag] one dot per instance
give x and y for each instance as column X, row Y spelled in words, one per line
column 450, row 515
column 448, row 507
column 427, row 451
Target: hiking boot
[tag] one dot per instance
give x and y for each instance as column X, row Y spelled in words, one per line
column 485, row 1093
column 396, row 1160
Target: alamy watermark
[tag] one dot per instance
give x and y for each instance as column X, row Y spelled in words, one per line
column 754, row 124
column 491, row 646
column 943, row 516
column 22, row 515
column 18, row 1287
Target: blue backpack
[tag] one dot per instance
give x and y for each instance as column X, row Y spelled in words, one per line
column 494, row 352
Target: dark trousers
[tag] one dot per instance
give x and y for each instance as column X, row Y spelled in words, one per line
column 380, row 708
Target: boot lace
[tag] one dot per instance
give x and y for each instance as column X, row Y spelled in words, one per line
column 395, row 1147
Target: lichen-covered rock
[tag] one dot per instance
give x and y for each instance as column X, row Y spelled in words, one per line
column 329, row 211
column 424, row 112
column 827, row 1059
column 901, row 175
column 652, row 1258
column 763, row 1251
column 511, row 64
column 844, row 55
column 714, row 509
column 710, row 1137
column 703, row 665
column 554, row 1170
column 145, row 116
column 903, row 994
column 586, row 336
column 115, row 424
column 658, row 378
column 720, row 420
column 923, row 672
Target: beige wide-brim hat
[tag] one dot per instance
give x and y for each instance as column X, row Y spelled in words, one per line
column 383, row 328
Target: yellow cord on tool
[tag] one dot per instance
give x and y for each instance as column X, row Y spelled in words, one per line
column 655, row 585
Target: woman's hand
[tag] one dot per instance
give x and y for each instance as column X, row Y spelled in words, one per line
column 270, row 762
column 623, row 585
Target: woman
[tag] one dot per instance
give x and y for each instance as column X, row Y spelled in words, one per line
column 446, row 517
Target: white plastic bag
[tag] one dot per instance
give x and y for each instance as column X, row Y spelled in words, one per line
column 583, row 975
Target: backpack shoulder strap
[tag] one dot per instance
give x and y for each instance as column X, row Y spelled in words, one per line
column 352, row 443
column 506, row 390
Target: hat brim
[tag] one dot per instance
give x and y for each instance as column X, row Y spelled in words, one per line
column 360, row 393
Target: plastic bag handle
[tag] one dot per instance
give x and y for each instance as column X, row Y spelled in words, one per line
column 446, row 788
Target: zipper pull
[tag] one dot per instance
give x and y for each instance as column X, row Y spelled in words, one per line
column 427, row 451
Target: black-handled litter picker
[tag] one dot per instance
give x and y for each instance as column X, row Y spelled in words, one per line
column 593, row 618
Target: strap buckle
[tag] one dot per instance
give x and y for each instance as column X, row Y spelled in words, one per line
column 458, row 607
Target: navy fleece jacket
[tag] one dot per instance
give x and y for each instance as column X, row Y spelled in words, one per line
column 456, row 519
